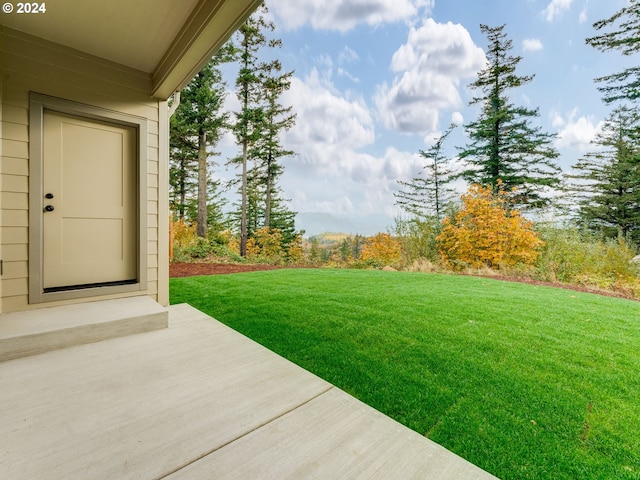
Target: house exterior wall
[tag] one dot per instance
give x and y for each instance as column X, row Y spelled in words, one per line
column 29, row 64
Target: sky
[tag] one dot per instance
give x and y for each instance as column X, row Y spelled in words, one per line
column 376, row 81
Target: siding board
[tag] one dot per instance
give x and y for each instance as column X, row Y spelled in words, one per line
column 14, row 201
column 15, row 166
column 15, row 183
column 14, row 114
column 13, row 270
column 15, row 235
column 14, row 131
column 15, row 148
column 15, row 218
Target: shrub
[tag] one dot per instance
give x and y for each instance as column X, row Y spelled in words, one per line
column 381, row 249
column 184, row 235
column 200, row 249
column 294, row 250
column 487, row 233
column 571, row 255
column 418, row 239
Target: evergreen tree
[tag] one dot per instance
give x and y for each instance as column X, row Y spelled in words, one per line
column 425, row 197
column 259, row 125
column 505, row 147
column 609, row 177
column 624, row 36
column 284, row 220
column 250, row 119
column 197, row 126
column 277, row 118
column 182, row 179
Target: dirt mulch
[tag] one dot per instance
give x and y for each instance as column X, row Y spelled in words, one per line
column 177, row 270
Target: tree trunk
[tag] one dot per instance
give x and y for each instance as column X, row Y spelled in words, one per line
column 183, row 192
column 202, row 185
column 267, row 207
column 243, row 214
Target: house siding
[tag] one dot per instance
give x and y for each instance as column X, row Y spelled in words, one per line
column 29, row 65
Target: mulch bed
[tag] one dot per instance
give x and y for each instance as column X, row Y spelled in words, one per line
column 177, row 269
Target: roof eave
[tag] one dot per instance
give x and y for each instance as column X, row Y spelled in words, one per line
column 210, row 25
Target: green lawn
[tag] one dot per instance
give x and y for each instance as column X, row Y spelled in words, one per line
column 524, row 381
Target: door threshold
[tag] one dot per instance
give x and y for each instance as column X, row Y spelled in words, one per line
column 68, row 288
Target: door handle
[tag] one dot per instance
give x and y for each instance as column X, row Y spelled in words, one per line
column 49, row 196
column 49, row 208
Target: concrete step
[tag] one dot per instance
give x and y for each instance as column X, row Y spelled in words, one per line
column 45, row 329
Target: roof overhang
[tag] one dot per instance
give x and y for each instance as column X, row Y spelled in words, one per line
column 167, row 39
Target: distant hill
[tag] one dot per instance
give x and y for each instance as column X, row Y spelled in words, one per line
column 315, row 223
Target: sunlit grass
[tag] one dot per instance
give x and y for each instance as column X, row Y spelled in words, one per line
column 524, row 381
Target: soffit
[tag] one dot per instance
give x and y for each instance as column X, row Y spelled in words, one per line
column 169, row 39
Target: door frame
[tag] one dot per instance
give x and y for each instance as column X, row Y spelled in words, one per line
column 39, row 103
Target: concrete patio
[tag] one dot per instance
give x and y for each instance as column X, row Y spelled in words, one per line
column 195, row 400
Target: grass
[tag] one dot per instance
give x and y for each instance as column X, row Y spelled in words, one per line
column 524, row 381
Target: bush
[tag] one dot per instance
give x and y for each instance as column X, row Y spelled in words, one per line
column 380, row 250
column 184, row 235
column 418, row 239
column 200, row 249
column 571, row 255
column 487, row 233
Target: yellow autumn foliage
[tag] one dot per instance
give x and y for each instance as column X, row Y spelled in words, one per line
column 487, row 233
column 383, row 249
column 184, row 235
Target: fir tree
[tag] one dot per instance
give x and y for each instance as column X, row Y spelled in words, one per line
column 250, row 118
column 426, row 196
column 182, row 177
column 505, row 147
column 624, row 36
column 608, row 179
column 259, row 125
column 277, row 119
column 196, row 127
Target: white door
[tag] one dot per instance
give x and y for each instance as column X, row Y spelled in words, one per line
column 89, row 224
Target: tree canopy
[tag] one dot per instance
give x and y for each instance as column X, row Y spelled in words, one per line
column 608, row 178
column 427, row 195
column 621, row 32
column 504, row 144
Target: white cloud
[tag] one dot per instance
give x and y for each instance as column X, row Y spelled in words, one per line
column 330, row 173
column 531, row 45
column 457, row 118
column 583, row 15
column 429, row 70
column 556, row 8
column 348, row 55
column 576, row 132
column 343, row 15
column 325, row 118
column 556, row 120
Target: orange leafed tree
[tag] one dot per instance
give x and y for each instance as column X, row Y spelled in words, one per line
column 486, row 232
column 382, row 248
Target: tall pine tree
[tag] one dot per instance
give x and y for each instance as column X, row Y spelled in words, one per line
column 259, row 124
column 277, row 118
column 505, row 148
column 250, row 119
column 182, row 175
column 608, row 179
column 624, row 36
column 196, row 127
column 427, row 196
